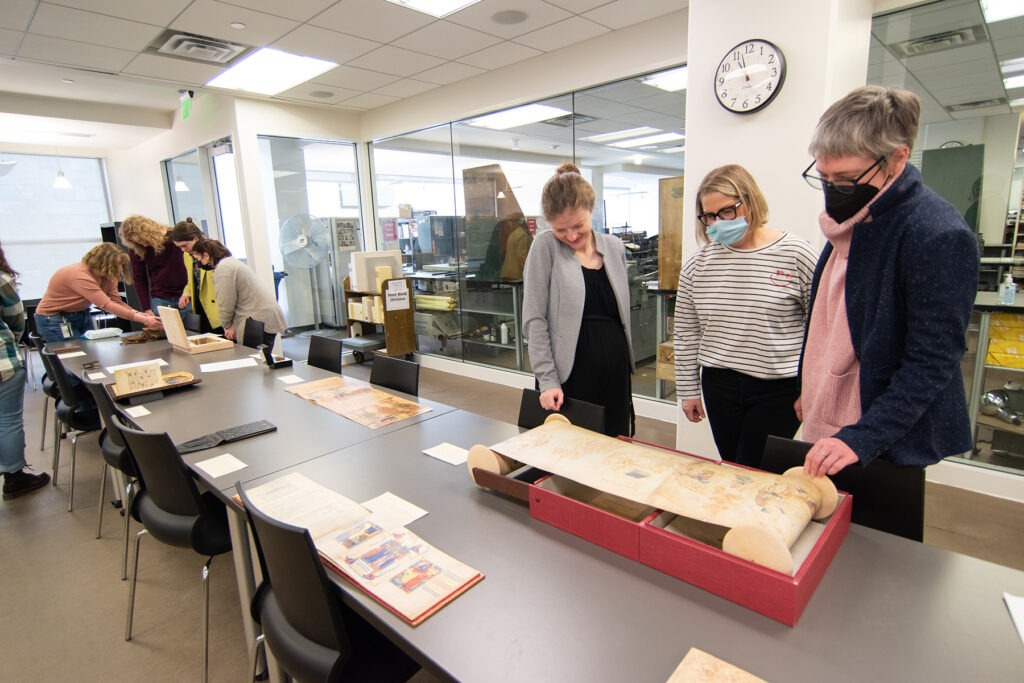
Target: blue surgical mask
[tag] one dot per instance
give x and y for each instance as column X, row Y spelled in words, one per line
column 728, row 232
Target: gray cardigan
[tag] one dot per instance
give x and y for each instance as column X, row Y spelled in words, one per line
column 240, row 296
column 553, row 297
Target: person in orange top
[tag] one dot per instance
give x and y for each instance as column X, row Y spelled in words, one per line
column 63, row 312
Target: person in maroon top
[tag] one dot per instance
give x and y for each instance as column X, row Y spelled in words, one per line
column 158, row 271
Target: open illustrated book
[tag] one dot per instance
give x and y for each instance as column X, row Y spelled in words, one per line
column 394, row 566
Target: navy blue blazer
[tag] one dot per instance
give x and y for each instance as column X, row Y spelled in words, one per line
column 911, row 281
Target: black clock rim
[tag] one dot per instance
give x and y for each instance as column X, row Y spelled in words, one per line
column 775, row 93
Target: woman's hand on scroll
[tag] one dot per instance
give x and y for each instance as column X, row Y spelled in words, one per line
column 828, row 456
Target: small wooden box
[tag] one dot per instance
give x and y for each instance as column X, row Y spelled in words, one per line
column 200, row 343
column 665, row 366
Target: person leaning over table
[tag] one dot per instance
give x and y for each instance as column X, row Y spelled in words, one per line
column 158, row 270
column 63, row 312
column 891, row 298
column 239, row 294
column 576, row 306
column 740, row 317
column 199, row 291
column 17, row 482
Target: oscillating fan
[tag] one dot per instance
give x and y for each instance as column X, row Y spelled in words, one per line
column 305, row 243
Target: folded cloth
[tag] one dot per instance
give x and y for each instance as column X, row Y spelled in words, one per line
column 103, row 333
column 226, row 435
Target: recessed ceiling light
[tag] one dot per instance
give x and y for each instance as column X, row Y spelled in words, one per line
column 67, row 81
column 1014, row 82
column 673, row 81
column 649, row 140
column 509, row 17
column 322, row 94
column 673, row 150
column 269, row 72
column 436, row 8
column 237, row 25
column 998, row 10
column 620, row 134
column 1012, row 66
column 520, row 116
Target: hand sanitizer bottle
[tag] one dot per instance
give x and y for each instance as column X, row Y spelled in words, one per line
column 1007, row 290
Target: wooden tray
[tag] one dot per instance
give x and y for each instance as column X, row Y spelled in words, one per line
column 172, row 380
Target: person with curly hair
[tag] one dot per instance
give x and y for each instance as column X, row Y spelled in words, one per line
column 199, row 292
column 158, row 272
column 17, row 482
column 63, row 312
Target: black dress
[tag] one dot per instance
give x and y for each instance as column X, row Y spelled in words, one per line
column 600, row 370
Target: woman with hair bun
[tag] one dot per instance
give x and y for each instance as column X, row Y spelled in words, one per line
column 576, row 306
column 199, row 290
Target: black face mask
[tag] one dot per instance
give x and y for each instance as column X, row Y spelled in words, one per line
column 205, row 267
column 842, row 207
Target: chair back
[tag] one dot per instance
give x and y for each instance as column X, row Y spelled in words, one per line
column 252, row 334
column 118, row 456
column 325, row 353
column 55, row 371
column 395, row 373
column 580, row 413
column 191, row 321
column 168, row 480
column 306, row 598
column 886, row 497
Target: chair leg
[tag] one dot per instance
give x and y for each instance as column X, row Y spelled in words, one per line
column 206, row 619
column 103, row 493
column 71, row 491
column 260, row 643
column 58, row 429
column 42, row 429
column 127, row 507
column 131, row 588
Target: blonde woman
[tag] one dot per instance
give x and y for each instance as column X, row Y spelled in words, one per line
column 158, row 271
column 63, row 312
column 741, row 311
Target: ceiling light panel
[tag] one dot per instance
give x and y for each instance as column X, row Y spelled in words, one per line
column 435, row 8
column 1000, row 10
column 649, row 140
column 672, row 81
column 621, row 134
column 520, row 116
column 270, row 72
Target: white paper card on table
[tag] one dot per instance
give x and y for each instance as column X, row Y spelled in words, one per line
column 95, row 376
column 114, row 368
column 137, row 411
column 389, row 510
column 228, row 365
column 1015, row 604
column 71, row 354
column 449, row 453
column 221, row 465
column 289, row 379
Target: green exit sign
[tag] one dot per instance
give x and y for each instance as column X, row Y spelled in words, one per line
column 186, row 108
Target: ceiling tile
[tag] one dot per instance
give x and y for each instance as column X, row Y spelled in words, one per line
column 572, row 30
column 1007, row 28
column 369, row 101
column 213, row 19
column 395, row 60
column 622, row 13
column 945, row 58
column 448, row 73
column 175, row 70
column 968, row 93
column 977, row 113
column 446, row 40
column 1009, row 48
column 156, row 12
column 298, row 10
column 302, row 92
column 500, row 55
column 479, row 16
column 362, row 80
column 87, row 27
column 311, row 41
column 9, row 41
column 71, row 53
column 372, row 19
column 928, row 20
column 406, row 87
column 579, row 6
column 17, row 14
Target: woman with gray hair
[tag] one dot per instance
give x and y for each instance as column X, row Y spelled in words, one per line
column 892, row 296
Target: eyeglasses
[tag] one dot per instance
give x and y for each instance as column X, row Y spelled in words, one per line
column 842, row 186
column 726, row 214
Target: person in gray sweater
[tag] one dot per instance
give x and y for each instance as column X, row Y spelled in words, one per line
column 576, row 306
column 239, row 294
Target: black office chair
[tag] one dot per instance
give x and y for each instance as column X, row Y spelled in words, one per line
column 115, row 455
column 886, row 497
column 310, row 632
column 50, row 391
column 580, row 413
column 253, row 334
column 26, row 343
column 395, row 373
column 73, row 415
column 173, row 511
column 325, row 353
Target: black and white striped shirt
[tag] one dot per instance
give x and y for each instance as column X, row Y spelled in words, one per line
column 742, row 310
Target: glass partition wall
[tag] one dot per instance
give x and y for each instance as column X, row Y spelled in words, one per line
column 462, row 203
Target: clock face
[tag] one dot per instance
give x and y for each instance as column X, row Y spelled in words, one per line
column 750, row 76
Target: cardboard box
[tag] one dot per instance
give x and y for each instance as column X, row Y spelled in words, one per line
column 665, row 366
column 641, row 535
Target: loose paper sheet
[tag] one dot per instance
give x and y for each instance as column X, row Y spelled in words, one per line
column 390, row 510
column 221, row 465
column 136, row 411
column 1015, row 604
column 228, row 365
column 65, row 356
column 114, row 368
column 289, row 379
column 449, row 453
column 700, row 667
column 96, row 376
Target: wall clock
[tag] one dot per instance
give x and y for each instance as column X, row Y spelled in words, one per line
column 750, row 76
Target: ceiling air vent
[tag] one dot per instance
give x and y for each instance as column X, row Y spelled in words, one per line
column 977, row 104
column 569, row 120
column 196, row 48
column 947, row 40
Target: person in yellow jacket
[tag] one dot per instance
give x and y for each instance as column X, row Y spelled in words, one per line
column 199, row 290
